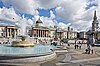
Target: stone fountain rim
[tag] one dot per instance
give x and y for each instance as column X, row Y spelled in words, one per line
column 27, row 55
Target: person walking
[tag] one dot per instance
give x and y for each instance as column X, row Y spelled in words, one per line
column 92, row 51
column 89, row 42
column 80, row 47
column 75, row 44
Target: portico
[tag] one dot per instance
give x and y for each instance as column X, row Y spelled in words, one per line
column 9, row 31
column 41, row 34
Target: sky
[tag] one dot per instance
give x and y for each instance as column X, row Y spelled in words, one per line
column 78, row 14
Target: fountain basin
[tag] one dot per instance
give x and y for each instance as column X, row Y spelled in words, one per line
column 27, row 58
column 22, row 44
column 38, row 53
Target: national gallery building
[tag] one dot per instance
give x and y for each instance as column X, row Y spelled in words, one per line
column 45, row 35
column 8, row 31
column 39, row 33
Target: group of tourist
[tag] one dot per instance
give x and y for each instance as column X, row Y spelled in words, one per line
column 89, row 51
column 77, row 45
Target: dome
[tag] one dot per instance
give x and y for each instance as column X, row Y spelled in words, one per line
column 39, row 21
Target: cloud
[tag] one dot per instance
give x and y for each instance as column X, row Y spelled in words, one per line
column 8, row 14
column 29, row 6
column 23, row 23
column 67, row 9
column 47, row 4
column 75, row 12
column 48, row 22
column 52, row 15
column 29, row 22
column 22, row 5
column 61, row 25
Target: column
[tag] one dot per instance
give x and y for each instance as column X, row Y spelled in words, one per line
column 38, row 33
column 10, row 33
column 7, row 33
column 45, row 33
column 14, row 33
column 42, row 33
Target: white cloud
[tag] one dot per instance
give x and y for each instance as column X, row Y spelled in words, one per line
column 29, row 6
column 47, row 4
column 29, row 22
column 8, row 14
column 50, row 21
column 52, row 15
column 23, row 23
column 62, row 26
column 67, row 9
column 74, row 11
column 22, row 5
column 47, row 21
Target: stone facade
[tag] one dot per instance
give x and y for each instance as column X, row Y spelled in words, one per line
column 46, row 35
column 83, row 35
column 8, row 31
column 39, row 33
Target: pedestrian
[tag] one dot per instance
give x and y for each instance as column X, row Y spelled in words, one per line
column 86, row 51
column 92, row 51
column 68, row 44
column 80, row 47
column 79, row 42
column 82, row 41
column 75, row 46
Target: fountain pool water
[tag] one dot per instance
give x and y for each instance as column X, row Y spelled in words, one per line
column 37, row 49
column 38, row 53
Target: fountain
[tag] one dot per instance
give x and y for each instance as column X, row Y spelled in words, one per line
column 22, row 24
column 39, row 54
column 25, row 51
column 22, row 43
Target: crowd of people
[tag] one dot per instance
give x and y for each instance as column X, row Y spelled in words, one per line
column 78, row 45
